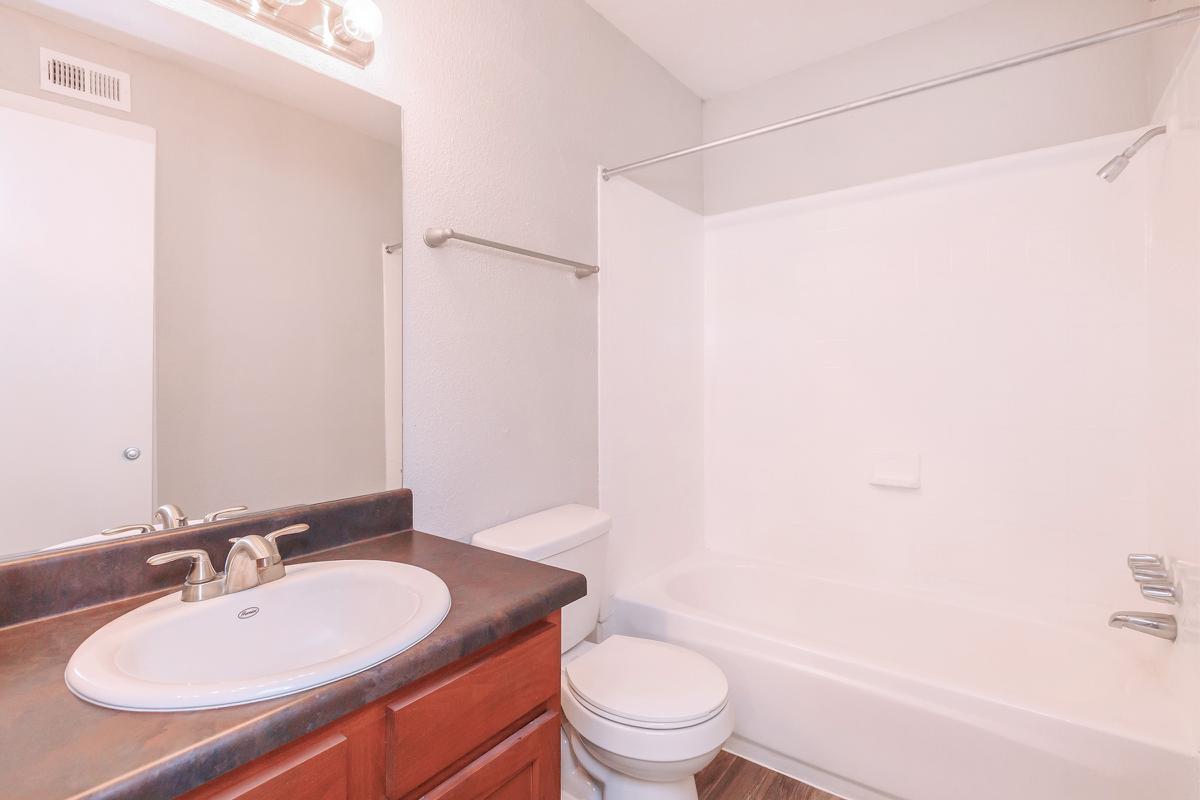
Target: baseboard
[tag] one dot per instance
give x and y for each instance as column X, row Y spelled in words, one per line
column 805, row 773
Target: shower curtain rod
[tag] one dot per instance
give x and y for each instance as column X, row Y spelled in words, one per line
column 1188, row 14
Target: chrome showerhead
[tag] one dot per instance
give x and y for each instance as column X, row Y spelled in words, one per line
column 1113, row 169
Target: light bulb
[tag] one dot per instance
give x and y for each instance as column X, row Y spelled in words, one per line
column 360, row 21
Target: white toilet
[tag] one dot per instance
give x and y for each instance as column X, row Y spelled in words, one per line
column 641, row 717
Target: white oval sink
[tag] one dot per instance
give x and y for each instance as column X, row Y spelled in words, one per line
column 318, row 623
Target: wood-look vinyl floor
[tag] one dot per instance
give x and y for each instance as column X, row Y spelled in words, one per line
column 731, row 778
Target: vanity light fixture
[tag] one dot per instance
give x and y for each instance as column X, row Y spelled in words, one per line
column 360, row 21
column 345, row 29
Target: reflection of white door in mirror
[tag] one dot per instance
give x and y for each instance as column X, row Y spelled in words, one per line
column 393, row 365
column 76, row 321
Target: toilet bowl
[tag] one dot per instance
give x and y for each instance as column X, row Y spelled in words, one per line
column 619, row 778
column 640, row 717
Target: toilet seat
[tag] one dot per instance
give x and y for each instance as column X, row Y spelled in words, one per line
column 647, row 684
column 646, row 700
column 647, row 744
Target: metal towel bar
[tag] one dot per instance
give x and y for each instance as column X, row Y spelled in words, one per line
column 436, row 237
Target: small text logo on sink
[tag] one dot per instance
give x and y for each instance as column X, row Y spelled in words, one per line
column 247, row 613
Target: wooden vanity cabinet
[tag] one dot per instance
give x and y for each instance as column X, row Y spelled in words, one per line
column 485, row 727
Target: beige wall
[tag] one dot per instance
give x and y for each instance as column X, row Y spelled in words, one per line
column 509, row 108
column 269, row 317
column 1088, row 93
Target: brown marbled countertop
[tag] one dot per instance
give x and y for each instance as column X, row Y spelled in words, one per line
column 54, row 745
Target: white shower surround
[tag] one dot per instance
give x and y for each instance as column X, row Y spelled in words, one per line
column 1015, row 323
column 992, row 318
column 1034, row 334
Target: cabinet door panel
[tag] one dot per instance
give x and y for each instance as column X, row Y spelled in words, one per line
column 522, row 787
column 525, row 766
column 317, row 770
column 459, row 714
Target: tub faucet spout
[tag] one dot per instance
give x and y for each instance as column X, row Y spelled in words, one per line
column 1161, row 625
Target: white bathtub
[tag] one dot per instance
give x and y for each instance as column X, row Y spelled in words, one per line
column 872, row 695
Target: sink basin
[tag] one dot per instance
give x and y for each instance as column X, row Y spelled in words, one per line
column 318, row 623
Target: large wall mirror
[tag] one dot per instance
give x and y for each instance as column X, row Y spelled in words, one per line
column 193, row 279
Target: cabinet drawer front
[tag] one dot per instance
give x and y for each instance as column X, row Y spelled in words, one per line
column 317, row 770
column 459, row 714
column 524, row 766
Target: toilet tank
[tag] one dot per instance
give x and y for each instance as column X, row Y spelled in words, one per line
column 572, row 537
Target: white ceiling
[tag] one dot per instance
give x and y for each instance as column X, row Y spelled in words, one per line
column 718, row 46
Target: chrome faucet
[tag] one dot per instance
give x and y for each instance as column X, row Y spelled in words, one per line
column 1161, row 625
column 250, row 564
column 170, row 516
column 252, row 561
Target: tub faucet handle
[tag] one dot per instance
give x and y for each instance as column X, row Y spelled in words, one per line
column 1145, row 561
column 1160, row 592
column 1148, row 575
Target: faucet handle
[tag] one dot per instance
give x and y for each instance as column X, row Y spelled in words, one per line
column 1151, row 575
column 224, row 512
column 140, row 527
column 271, row 539
column 282, row 531
column 274, row 536
column 1160, row 592
column 202, row 569
column 1145, row 561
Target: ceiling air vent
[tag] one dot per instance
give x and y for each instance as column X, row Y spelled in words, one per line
column 83, row 80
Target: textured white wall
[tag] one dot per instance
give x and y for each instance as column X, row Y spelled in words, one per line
column 1066, row 99
column 993, row 319
column 509, row 108
column 651, row 379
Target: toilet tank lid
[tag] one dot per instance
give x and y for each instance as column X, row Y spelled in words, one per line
column 546, row 533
